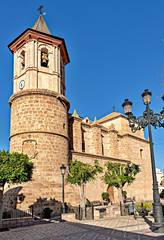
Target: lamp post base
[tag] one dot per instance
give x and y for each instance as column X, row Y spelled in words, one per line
column 158, row 227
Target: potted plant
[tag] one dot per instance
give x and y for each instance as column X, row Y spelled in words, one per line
column 144, row 207
column 105, row 197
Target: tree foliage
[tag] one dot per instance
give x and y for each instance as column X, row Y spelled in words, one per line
column 117, row 176
column 14, row 167
column 83, row 172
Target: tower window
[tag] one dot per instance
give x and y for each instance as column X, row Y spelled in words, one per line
column 102, row 144
column 44, row 57
column 83, row 140
column 141, row 153
column 63, row 125
column 83, row 146
column 22, row 59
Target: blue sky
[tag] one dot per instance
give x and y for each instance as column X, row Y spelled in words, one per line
column 116, row 49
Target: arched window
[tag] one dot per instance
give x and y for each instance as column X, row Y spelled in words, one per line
column 44, row 57
column 22, row 56
column 141, row 153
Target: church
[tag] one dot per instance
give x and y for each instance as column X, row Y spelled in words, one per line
column 43, row 128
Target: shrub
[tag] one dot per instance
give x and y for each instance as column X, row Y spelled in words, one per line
column 105, row 196
column 68, row 204
column 68, row 207
column 146, row 206
column 5, row 214
column 162, row 194
column 88, row 203
column 124, row 193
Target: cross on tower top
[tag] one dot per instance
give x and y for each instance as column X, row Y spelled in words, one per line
column 40, row 9
column 113, row 108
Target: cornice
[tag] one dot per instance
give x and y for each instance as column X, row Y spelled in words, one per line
column 99, row 156
column 133, row 136
column 45, row 132
column 39, row 92
column 37, row 70
column 29, row 34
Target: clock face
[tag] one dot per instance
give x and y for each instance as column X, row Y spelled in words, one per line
column 21, row 84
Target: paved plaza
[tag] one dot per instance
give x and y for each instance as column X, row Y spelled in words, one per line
column 120, row 228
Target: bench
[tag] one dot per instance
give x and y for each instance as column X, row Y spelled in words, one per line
column 96, row 203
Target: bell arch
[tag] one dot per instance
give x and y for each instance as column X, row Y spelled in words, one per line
column 44, row 57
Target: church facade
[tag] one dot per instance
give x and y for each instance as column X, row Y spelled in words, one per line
column 42, row 128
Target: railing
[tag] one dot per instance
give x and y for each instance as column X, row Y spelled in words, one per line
column 17, row 213
column 89, row 212
column 126, row 208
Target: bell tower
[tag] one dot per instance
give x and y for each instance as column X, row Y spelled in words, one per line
column 39, row 109
column 39, row 59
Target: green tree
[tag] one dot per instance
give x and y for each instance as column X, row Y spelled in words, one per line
column 14, row 168
column 81, row 173
column 117, row 175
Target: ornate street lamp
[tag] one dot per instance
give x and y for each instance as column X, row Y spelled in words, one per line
column 157, row 120
column 63, row 168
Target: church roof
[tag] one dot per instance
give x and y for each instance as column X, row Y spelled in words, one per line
column 110, row 116
column 41, row 26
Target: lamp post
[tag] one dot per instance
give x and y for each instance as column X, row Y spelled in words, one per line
column 155, row 119
column 63, row 168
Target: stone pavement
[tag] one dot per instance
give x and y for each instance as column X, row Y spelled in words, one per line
column 121, row 228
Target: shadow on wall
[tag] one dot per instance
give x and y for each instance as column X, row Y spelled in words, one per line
column 11, row 198
column 43, row 207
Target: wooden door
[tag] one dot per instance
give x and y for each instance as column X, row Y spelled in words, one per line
column 110, row 190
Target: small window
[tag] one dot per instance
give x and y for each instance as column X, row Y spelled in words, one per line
column 83, row 140
column 83, row 146
column 44, row 57
column 141, row 153
column 22, row 59
column 63, row 125
column 102, row 144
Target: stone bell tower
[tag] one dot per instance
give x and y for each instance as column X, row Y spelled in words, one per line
column 39, row 108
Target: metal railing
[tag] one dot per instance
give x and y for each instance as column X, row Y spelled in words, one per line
column 17, row 213
column 89, row 212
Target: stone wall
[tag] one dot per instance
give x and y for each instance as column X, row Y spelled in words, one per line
column 139, row 153
column 111, row 144
column 95, row 188
column 39, row 128
column 17, row 222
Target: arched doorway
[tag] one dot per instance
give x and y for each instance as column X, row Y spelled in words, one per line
column 110, row 190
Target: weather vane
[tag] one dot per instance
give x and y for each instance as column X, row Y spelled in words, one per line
column 40, row 9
